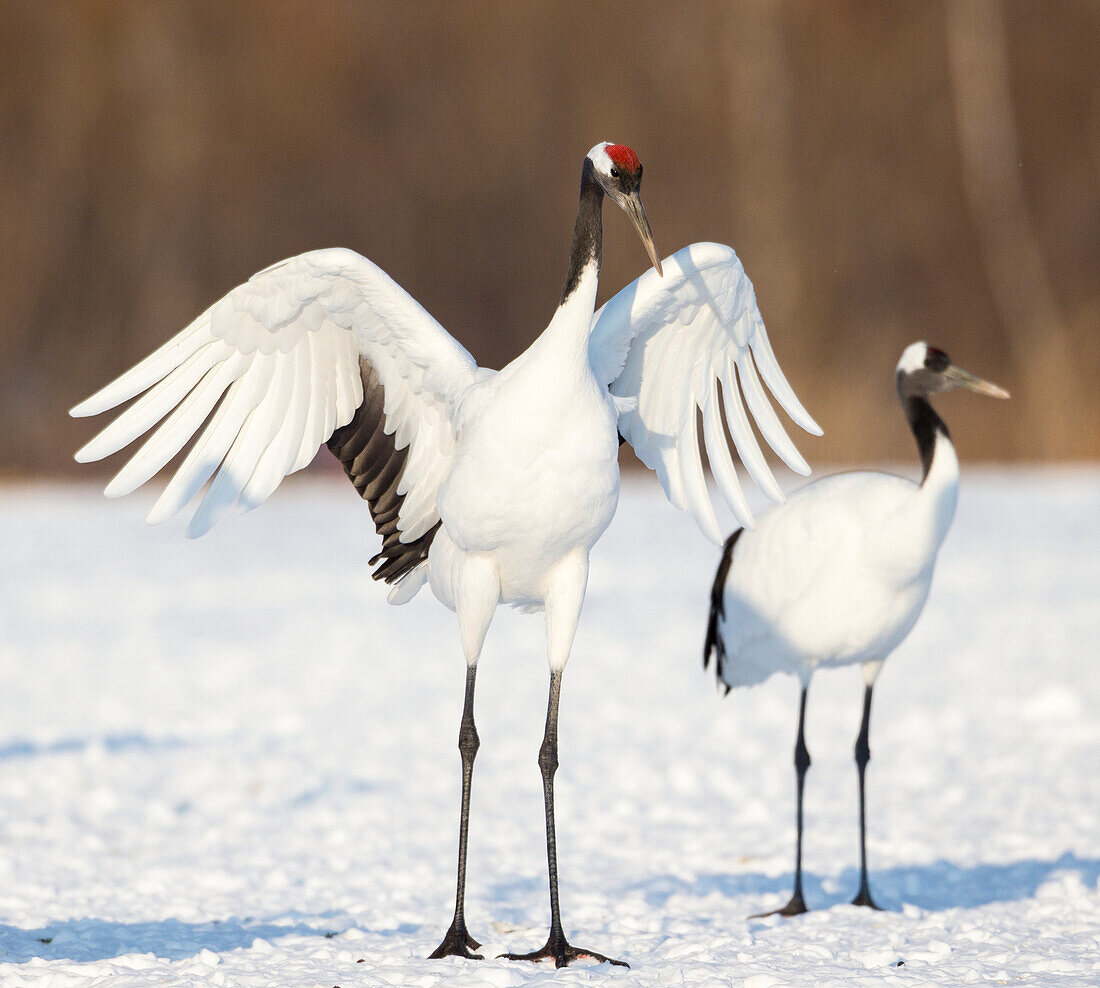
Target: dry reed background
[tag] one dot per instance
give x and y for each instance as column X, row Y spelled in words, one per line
column 887, row 171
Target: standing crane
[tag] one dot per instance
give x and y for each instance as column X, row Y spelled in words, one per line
column 839, row 574
column 491, row 487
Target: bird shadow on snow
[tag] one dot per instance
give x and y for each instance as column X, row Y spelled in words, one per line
column 112, row 743
column 936, row 886
column 86, row 939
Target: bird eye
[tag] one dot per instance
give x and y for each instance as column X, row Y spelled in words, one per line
column 614, row 172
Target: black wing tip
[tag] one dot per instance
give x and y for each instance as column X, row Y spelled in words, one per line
column 399, row 561
column 375, row 466
column 713, row 644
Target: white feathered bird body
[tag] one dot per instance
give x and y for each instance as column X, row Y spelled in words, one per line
column 838, row 575
column 535, row 476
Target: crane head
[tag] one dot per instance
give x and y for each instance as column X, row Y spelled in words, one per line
column 619, row 173
column 925, row 370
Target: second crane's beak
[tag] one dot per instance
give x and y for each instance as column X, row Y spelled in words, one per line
column 636, row 211
column 964, row 379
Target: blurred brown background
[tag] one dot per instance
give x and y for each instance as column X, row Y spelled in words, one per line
column 887, row 171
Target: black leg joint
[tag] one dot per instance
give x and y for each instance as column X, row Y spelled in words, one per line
column 801, row 755
column 863, row 752
column 863, row 746
column 548, row 758
column 468, row 742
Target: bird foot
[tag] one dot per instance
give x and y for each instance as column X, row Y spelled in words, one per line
column 863, row 898
column 796, row 907
column 457, row 942
column 563, row 953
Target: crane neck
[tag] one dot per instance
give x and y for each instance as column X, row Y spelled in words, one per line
column 565, row 340
column 927, row 428
column 939, row 485
column 586, row 254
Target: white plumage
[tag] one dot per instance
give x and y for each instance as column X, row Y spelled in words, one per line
column 668, row 343
column 838, row 577
column 491, row 486
column 283, row 350
column 839, row 574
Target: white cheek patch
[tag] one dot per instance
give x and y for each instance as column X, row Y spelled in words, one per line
column 601, row 159
column 912, row 358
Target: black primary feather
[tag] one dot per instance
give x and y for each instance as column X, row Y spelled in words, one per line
column 375, row 466
column 714, row 644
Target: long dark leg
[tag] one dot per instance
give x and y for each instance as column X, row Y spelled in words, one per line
column 556, row 944
column 797, row 904
column 457, row 940
column 863, row 756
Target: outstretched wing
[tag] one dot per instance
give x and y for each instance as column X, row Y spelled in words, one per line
column 318, row 344
column 668, row 344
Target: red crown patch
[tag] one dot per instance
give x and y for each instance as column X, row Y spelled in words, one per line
column 624, row 157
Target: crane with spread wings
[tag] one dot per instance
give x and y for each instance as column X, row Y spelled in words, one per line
column 490, row 486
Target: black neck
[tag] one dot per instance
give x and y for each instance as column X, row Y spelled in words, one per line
column 588, row 232
column 926, row 426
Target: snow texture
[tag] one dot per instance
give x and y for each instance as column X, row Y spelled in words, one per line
column 230, row 762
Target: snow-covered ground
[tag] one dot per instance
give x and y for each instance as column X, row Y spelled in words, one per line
column 229, row 762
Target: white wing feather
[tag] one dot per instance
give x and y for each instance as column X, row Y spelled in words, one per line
column 276, row 362
column 668, row 344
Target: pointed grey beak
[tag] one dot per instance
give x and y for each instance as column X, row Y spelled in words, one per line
column 636, row 211
column 964, row 379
